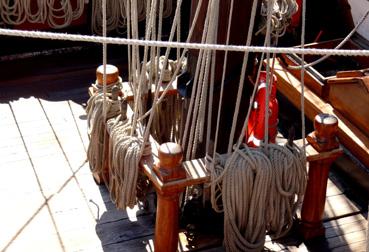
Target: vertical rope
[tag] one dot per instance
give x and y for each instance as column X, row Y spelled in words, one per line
column 104, row 51
column 223, row 77
column 142, row 78
column 196, row 88
column 242, row 76
column 302, row 101
column 152, row 113
column 129, row 47
column 268, row 74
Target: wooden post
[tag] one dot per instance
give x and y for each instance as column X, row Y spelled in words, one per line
column 112, row 76
column 323, row 139
column 168, row 170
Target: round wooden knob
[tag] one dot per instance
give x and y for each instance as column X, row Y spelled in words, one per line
column 170, row 155
column 112, row 74
column 326, row 127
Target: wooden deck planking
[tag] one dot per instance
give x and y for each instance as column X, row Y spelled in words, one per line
column 39, row 235
column 60, row 117
column 337, row 206
column 66, row 204
column 80, row 118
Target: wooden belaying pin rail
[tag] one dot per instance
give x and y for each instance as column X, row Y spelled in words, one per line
column 324, row 140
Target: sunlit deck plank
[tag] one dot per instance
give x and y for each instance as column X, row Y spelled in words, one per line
column 80, row 117
column 62, row 122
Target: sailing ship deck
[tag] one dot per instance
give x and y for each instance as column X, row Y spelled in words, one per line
column 50, row 201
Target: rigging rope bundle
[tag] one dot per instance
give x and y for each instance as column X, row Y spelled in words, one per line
column 259, row 188
column 57, row 14
column 96, row 128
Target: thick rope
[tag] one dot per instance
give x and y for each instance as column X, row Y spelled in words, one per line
column 182, row 45
column 245, row 194
column 290, row 178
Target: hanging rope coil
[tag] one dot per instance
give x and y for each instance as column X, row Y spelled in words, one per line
column 117, row 14
column 96, row 128
column 260, row 192
column 124, row 157
column 290, row 179
column 57, row 14
column 245, row 200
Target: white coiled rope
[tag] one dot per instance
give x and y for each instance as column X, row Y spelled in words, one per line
column 124, row 166
column 290, row 178
column 259, row 192
column 245, row 200
column 96, row 128
column 124, row 157
column 117, row 14
column 19, row 11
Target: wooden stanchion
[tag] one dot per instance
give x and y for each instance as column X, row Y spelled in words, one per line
column 168, row 170
column 112, row 76
column 324, row 140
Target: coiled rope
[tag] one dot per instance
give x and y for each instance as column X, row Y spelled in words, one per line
column 125, row 155
column 260, row 193
column 117, row 14
column 19, row 11
column 96, row 128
